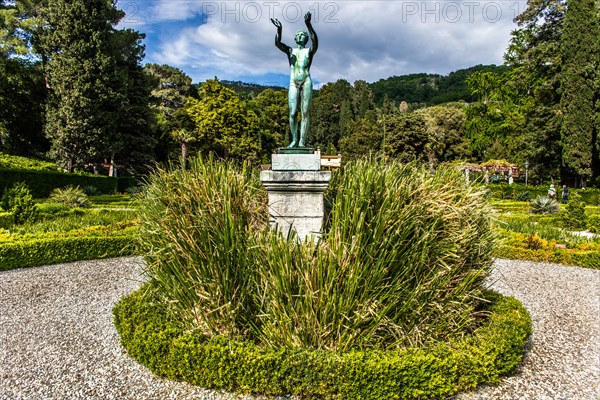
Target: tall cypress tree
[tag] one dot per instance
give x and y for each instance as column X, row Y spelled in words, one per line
column 137, row 132
column 85, row 89
column 580, row 57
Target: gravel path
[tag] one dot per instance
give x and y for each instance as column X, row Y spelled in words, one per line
column 57, row 340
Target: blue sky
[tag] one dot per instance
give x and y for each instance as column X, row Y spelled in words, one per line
column 368, row 40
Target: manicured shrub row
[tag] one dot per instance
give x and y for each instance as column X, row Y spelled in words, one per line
column 41, row 183
column 33, row 252
column 15, row 162
column 520, row 246
column 156, row 341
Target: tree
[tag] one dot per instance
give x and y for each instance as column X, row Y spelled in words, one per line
column 406, row 136
column 363, row 101
column 273, row 119
column 22, row 97
column 326, row 114
column 496, row 121
column 580, row 55
column 22, row 91
column 137, row 133
column 223, row 125
column 364, row 140
column 171, row 90
column 445, row 127
column 85, row 91
column 534, row 57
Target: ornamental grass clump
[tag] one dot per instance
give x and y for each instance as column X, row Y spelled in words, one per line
column 401, row 261
column 544, row 205
column 196, row 229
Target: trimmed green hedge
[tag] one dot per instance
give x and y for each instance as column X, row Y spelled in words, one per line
column 41, row 183
column 157, row 342
column 23, row 163
column 33, row 252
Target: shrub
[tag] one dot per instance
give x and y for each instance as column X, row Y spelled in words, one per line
column 151, row 335
column 401, row 261
column 43, row 251
column 574, row 215
column 524, row 196
column 19, row 202
column 6, row 220
column 593, row 223
column 584, row 252
column 544, row 205
column 73, row 197
column 52, row 210
column 90, row 190
column 42, row 182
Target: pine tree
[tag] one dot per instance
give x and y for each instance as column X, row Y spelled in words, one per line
column 580, row 57
column 85, row 88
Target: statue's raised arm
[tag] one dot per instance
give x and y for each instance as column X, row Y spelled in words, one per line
column 314, row 41
column 281, row 46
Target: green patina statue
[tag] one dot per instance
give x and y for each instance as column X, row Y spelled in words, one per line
column 300, row 92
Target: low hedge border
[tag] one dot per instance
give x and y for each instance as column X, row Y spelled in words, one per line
column 34, row 252
column 151, row 337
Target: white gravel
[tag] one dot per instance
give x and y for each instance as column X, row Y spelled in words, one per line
column 57, row 339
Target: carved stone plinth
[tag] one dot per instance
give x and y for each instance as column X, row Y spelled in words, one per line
column 296, row 200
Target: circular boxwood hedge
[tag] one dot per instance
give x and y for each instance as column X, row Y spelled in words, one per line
column 158, row 342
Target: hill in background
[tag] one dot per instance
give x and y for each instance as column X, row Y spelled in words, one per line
column 429, row 89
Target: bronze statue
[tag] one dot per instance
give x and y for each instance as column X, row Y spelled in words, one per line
column 300, row 92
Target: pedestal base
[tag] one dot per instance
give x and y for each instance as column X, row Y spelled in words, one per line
column 296, row 201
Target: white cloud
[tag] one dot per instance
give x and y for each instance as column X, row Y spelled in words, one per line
column 357, row 39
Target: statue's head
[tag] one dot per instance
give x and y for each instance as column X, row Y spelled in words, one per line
column 301, row 37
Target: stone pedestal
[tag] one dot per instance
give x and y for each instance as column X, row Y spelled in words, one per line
column 296, row 199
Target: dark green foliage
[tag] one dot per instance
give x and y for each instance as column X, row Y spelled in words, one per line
column 170, row 91
column 365, row 139
column 18, row 201
column 580, row 54
column 22, row 97
column 34, row 252
column 42, row 183
column 134, row 145
column 405, row 136
column 574, row 216
column 326, row 114
column 159, row 343
column 86, row 91
column 273, row 119
column 249, row 91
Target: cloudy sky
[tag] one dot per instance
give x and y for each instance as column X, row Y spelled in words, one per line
column 368, row 40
